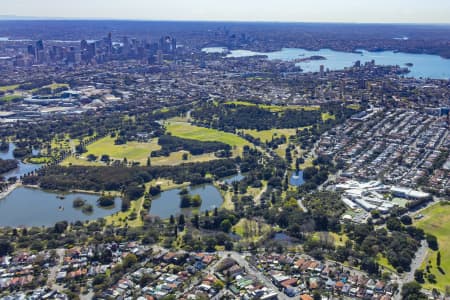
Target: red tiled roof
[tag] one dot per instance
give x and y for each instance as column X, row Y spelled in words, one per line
column 289, row 282
column 306, row 297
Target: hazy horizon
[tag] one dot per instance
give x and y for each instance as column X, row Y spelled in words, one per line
column 31, row 18
column 282, row 11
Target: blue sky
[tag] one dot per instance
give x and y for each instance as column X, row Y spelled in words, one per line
column 366, row 11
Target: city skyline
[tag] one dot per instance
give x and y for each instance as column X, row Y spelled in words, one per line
column 345, row 11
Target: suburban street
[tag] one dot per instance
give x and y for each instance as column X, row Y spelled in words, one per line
column 253, row 271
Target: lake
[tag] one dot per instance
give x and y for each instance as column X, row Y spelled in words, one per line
column 33, row 207
column 424, row 65
column 296, row 178
column 168, row 202
column 22, row 168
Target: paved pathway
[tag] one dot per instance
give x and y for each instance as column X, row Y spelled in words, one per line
column 420, row 256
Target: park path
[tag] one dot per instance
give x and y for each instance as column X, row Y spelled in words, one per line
column 257, row 199
column 420, row 256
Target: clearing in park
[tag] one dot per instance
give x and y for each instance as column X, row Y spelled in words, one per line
column 188, row 131
column 140, row 151
column 436, row 221
column 268, row 135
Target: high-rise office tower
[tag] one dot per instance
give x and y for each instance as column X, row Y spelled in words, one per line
column 126, row 46
column 174, row 45
column 40, row 52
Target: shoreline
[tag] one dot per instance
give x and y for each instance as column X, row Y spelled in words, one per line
column 9, row 190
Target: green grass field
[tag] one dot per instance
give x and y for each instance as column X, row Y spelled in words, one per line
column 176, row 158
column 436, row 221
column 14, row 87
column 38, row 160
column 52, row 86
column 188, row 131
column 10, row 97
column 383, row 262
column 9, row 87
column 266, row 135
column 328, row 116
column 354, row 106
column 275, row 108
column 133, row 151
column 73, row 161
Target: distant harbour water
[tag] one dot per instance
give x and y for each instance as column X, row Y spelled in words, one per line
column 423, row 65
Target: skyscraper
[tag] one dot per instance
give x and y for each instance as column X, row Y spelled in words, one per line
column 174, row 45
column 126, row 46
column 40, row 52
column 159, row 57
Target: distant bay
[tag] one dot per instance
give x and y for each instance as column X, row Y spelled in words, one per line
column 420, row 65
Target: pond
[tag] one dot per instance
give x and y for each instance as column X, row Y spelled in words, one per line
column 423, row 65
column 282, row 237
column 33, row 207
column 168, row 202
column 22, row 168
column 229, row 180
column 296, row 178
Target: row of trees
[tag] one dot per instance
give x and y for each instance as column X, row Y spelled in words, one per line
column 7, row 165
column 109, row 178
column 229, row 117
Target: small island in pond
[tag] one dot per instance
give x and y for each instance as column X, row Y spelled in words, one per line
column 82, row 204
column 188, row 200
column 106, row 201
